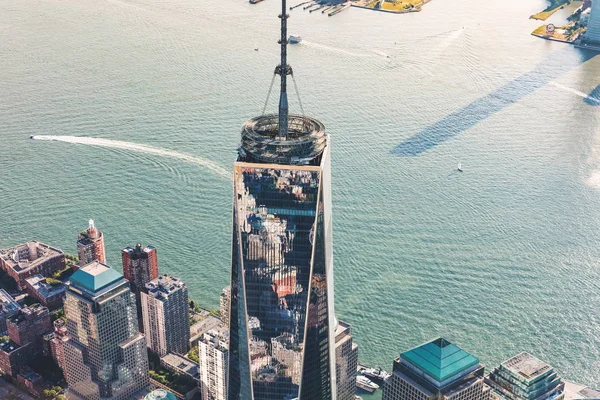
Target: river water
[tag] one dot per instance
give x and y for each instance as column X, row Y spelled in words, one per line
column 500, row 258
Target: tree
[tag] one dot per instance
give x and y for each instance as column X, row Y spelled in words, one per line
column 194, row 355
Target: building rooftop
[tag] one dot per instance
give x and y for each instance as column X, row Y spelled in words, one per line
column 27, row 312
column 440, row 359
column 95, row 276
column 163, row 286
column 160, row 394
column 38, row 282
column 8, row 346
column 526, row 366
column 138, row 249
column 8, row 305
column 181, row 364
column 28, row 255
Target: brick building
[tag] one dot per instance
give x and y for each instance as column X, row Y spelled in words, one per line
column 31, row 258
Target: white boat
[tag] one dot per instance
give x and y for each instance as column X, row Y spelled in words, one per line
column 294, row 39
column 459, row 169
column 256, row 48
column 375, row 374
column 365, row 383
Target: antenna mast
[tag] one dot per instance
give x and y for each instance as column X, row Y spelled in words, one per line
column 283, row 70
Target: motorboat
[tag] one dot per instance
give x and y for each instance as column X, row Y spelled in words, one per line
column 459, row 168
column 366, row 384
column 294, row 39
column 375, row 374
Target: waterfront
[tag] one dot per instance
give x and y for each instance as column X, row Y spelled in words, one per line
column 501, row 258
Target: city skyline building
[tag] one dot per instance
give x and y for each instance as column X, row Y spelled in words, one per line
column 524, row 377
column 105, row 355
column 25, row 260
column 591, row 38
column 436, row 370
column 90, row 245
column 282, row 322
column 346, row 360
column 140, row 266
column 8, row 308
column 28, row 325
column 214, row 363
column 165, row 313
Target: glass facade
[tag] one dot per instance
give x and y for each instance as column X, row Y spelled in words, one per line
column 281, row 316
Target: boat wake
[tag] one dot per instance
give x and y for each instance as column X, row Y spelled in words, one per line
column 333, row 49
column 590, row 99
column 140, row 148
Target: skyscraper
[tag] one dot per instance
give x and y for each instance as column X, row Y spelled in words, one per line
column 90, row 245
column 524, row 377
column 140, row 266
column 591, row 38
column 165, row 312
column 436, row 370
column 105, row 355
column 282, row 323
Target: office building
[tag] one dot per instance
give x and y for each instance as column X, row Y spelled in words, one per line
column 224, row 302
column 8, row 308
column 29, row 325
column 282, row 323
column 436, row 370
column 346, row 362
column 591, row 38
column 31, row 381
column 214, row 361
column 140, row 266
column 90, row 245
column 31, row 258
column 49, row 292
column 13, row 357
column 105, row 355
column 165, row 312
column 524, row 377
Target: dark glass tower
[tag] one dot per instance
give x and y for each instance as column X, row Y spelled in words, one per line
column 282, row 324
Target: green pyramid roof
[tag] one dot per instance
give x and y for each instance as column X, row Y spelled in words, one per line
column 440, row 359
column 95, row 276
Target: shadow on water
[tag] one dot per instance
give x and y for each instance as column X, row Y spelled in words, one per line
column 452, row 125
column 593, row 98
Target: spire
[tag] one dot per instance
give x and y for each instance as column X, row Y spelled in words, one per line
column 283, row 70
column 91, row 226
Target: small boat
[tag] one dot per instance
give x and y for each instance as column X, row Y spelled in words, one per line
column 31, row 137
column 366, row 384
column 459, row 168
column 256, row 48
column 294, row 39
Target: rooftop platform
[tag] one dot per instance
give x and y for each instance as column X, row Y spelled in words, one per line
column 304, row 144
column 440, row 359
column 163, row 286
column 28, row 255
column 95, row 276
column 527, row 366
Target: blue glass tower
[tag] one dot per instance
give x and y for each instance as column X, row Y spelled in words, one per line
column 282, row 324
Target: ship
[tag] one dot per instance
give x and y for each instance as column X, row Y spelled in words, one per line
column 294, row 39
column 375, row 374
column 366, row 384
